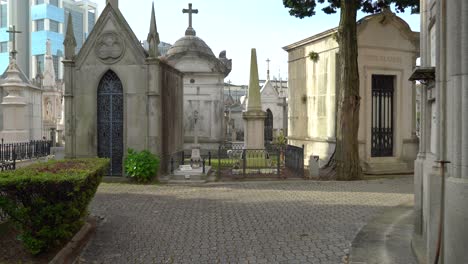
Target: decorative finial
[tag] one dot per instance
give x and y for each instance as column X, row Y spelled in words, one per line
column 48, row 47
column 153, row 36
column 268, row 68
column 13, row 33
column 190, row 31
column 69, row 42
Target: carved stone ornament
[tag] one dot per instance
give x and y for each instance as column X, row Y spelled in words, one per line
column 110, row 47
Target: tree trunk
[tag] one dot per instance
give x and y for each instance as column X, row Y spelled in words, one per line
column 347, row 165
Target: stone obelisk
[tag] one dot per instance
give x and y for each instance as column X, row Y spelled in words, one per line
column 254, row 117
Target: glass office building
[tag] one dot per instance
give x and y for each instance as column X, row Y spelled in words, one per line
column 40, row 20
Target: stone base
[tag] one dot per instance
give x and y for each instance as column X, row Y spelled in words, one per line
column 389, row 165
column 456, row 219
column 254, row 125
column 194, row 175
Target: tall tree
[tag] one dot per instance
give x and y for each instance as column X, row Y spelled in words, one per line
column 345, row 160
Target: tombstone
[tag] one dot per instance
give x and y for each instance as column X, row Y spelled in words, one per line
column 254, row 117
column 195, row 157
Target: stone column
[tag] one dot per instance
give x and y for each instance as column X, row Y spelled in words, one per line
column 70, row 137
column 154, row 106
column 254, row 117
column 455, row 232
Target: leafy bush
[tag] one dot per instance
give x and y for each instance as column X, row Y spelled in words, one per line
column 141, row 166
column 48, row 201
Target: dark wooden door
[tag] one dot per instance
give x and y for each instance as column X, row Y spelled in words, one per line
column 382, row 115
column 110, row 121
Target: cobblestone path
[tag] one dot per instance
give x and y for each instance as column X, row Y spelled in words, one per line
column 248, row 222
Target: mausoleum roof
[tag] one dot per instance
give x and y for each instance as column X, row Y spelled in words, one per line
column 190, row 43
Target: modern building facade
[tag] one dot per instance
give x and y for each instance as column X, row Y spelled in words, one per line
column 40, row 20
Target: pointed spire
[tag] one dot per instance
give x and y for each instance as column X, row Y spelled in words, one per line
column 113, row 3
column 49, row 70
column 254, row 103
column 69, row 42
column 153, row 36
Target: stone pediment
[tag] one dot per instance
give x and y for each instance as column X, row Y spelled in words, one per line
column 111, row 40
column 268, row 91
column 383, row 29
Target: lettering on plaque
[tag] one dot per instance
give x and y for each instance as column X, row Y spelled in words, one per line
column 391, row 59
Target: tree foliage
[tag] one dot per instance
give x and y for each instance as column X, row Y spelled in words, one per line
column 306, row 8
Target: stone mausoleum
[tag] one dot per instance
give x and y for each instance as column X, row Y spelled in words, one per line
column 204, row 75
column 388, row 50
column 119, row 96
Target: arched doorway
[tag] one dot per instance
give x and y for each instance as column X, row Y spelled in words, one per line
column 110, row 121
column 269, row 126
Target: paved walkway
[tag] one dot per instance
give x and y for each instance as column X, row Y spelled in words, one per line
column 386, row 239
column 250, row 222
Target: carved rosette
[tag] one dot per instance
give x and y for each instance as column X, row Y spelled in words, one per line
column 110, row 47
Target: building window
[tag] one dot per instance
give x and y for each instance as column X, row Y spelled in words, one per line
column 40, row 63
column 38, row 2
column 55, row 59
column 53, row 2
column 4, row 47
column 53, row 26
column 3, row 15
column 40, row 25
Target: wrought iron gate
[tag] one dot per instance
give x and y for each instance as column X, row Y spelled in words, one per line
column 110, row 121
column 382, row 115
column 269, row 126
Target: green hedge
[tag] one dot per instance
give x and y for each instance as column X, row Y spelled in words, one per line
column 48, row 201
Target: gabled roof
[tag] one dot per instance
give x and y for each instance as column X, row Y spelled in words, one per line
column 385, row 17
column 121, row 22
column 268, row 86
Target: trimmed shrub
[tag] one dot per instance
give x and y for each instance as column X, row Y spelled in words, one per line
column 48, row 202
column 141, row 166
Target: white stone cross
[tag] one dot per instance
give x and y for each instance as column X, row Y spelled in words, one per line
column 190, row 11
column 13, row 32
column 195, row 118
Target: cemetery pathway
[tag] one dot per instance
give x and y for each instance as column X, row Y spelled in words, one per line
column 242, row 222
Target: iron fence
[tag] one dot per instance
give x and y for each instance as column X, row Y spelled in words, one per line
column 184, row 158
column 236, row 162
column 294, row 159
column 11, row 152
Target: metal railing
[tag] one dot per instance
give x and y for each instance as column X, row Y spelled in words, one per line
column 184, row 158
column 11, row 152
column 294, row 159
column 235, row 161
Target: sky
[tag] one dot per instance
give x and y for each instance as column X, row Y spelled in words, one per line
column 236, row 26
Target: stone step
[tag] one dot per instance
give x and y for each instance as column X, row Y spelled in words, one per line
column 391, row 167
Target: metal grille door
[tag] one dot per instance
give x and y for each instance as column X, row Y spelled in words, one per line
column 382, row 115
column 110, row 121
column 269, row 126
